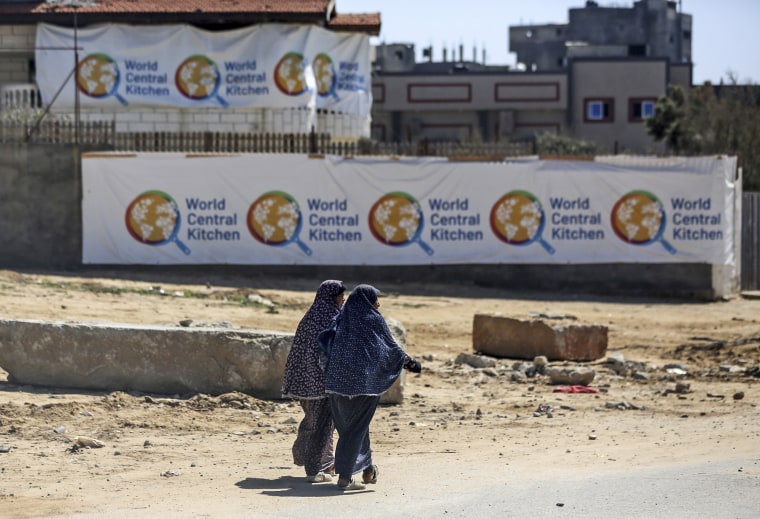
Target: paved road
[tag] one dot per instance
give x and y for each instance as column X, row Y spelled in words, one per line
column 724, row 489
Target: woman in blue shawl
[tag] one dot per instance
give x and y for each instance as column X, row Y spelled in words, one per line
column 304, row 381
column 365, row 361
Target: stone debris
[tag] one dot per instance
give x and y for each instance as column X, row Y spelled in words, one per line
column 682, row 388
column 623, row 406
column 258, row 300
column 551, row 315
column 476, row 361
column 544, row 409
column 571, row 376
column 90, row 443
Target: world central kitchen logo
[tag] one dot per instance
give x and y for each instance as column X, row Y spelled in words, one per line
column 396, row 219
column 153, row 218
column 198, row 78
column 639, row 218
column 275, row 219
column 518, row 218
column 99, row 77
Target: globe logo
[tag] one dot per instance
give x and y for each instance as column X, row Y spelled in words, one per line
column 98, row 77
column 153, row 218
column 289, row 74
column 198, row 78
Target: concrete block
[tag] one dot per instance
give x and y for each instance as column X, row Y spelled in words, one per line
column 395, row 395
column 153, row 359
column 501, row 336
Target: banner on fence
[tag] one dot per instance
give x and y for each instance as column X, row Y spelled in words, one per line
column 262, row 66
column 292, row 209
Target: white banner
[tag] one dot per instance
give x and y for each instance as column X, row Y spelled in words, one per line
column 267, row 66
column 292, row 209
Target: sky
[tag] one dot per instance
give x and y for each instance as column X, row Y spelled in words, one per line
column 723, row 31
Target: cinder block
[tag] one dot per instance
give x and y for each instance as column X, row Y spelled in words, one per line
column 506, row 337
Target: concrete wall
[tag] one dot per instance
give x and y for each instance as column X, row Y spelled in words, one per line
column 40, row 209
column 40, row 228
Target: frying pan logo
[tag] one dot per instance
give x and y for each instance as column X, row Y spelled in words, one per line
column 324, row 70
column 396, row 219
column 275, row 219
column 517, row 218
column 153, row 218
column 638, row 218
column 198, row 78
column 289, row 74
column 98, row 76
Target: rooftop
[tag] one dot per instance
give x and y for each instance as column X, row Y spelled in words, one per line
column 206, row 13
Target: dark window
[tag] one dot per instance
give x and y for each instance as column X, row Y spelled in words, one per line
column 640, row 109
column 599, row 110
column 686, row 35
column 637, row 50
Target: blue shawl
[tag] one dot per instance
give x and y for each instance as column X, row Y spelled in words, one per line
column 365, row 359
column 303, row 377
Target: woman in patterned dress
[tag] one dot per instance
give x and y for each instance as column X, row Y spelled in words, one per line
column 365, row 361
column 304, row 381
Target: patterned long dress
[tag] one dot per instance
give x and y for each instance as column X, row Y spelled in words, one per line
column 305, row 381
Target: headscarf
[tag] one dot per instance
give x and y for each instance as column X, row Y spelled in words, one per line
column 303, row 378
column 365, row 358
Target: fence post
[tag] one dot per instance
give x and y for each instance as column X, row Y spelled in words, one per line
column 313, row 140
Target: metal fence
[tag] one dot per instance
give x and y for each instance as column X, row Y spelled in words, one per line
column 105, row 134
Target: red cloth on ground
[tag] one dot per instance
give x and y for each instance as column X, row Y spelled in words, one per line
column 575, row 389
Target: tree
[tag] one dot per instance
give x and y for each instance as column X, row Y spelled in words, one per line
column 670, row 122
column 711, row 121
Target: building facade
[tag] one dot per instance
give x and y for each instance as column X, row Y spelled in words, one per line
column 19, row 94
column 596, row 78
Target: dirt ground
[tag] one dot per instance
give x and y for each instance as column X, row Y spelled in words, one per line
column 689, row 388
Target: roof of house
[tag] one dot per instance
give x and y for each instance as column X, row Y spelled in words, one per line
column 204, row 13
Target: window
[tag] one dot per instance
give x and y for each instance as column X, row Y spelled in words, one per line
column 599, row 110
column 640, row 108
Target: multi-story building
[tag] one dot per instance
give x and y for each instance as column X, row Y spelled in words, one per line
column 19, row 72
column 596, row 78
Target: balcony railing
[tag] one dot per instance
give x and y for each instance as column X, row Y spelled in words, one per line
column 19, row 97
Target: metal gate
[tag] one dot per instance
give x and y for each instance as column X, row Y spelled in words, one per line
column 750, row 260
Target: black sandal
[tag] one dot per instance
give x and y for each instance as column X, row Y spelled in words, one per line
column 370, row 475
